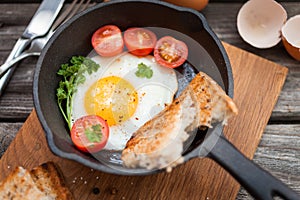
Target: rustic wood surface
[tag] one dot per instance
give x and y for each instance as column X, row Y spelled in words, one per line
column 279, row 149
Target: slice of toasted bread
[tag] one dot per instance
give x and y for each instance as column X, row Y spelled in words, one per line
column 159, row 142
column 44, row 182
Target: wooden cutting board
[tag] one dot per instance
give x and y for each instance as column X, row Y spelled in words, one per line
column 258, row 83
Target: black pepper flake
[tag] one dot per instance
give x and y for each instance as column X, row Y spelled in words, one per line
column 96, row 190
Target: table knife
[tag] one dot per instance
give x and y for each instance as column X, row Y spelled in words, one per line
column 39, row 25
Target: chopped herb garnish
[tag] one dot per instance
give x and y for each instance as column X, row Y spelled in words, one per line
column 144, row 71
column 73, row 75
column 94, row 134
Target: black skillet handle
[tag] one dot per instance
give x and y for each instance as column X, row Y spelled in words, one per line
column 258, row 182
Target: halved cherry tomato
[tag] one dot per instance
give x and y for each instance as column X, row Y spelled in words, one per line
column 170, row 52
column 90, row 133
column 139, row 41
column 108, row 41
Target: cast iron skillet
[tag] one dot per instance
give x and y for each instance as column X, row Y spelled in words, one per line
column 206, row 54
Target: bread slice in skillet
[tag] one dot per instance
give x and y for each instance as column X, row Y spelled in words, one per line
column 159, row 142
column 43, row 182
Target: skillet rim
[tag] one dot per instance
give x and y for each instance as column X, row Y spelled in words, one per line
column 37, row 105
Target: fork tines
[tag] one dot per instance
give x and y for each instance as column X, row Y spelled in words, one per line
column 75, row 7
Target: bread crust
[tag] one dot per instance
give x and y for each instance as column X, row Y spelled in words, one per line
column 50, row 180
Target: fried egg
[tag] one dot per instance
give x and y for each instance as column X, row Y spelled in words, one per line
column 124, row 100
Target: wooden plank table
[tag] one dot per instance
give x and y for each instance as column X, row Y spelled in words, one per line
column 279, row 149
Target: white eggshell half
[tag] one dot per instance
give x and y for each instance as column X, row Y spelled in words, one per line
column 259, row 22
column 291, row 30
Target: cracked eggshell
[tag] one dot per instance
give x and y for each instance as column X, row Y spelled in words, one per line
column 259, row 22
column 291, row 38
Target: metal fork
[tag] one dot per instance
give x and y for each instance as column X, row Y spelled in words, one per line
column 38, row 44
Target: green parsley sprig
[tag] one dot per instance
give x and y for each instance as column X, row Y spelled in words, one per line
column 144, row 71
column 94, row 134
column 73, row 75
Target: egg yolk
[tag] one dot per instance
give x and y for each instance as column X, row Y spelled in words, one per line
column 112, row 98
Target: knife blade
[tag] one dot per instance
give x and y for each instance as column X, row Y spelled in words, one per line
column 43, row 18
column 39, row 25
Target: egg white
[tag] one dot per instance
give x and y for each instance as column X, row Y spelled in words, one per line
column 154, row 93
